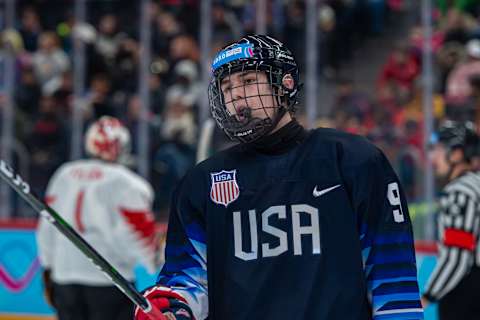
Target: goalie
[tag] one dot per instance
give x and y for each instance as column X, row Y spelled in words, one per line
column 110, row 207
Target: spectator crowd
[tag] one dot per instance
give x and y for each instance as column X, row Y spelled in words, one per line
column 393, row 117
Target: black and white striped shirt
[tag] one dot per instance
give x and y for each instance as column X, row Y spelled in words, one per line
column 458, row 225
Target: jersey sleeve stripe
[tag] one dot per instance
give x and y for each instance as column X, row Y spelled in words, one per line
column 412, row 313
column 392, row 256
column 460, row 271
column 470, row 214
column 465, row 186
column 395, row 305
column 195, row 232
column 470, row 182
column 197, row 274
column 366, row 254
column 443, row 271
column 401, row 287
column 201, row 248
column 386, row 271
column 376, row 283
column 380, row 300
column 394, row 238
column 409, row 315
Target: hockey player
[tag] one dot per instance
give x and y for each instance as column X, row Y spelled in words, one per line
column 110, row 207
column 455, row 279
column 289, row 223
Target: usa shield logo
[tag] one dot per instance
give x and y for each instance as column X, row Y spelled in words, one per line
column 225, row 189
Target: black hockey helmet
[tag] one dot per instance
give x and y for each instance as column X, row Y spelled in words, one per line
column 253, row 53
column 453, row 135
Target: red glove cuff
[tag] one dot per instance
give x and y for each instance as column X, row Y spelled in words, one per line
column 157, row 292
column 160, row 297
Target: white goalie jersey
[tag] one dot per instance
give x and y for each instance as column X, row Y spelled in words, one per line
column 110, row 207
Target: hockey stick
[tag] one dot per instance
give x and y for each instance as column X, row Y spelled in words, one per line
column 205, row 141
column 23, row 189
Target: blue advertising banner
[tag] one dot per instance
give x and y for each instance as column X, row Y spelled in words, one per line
column 21, row 289
column 425, row 265
column 20, row 277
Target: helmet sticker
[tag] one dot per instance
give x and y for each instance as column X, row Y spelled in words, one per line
column 236, row 52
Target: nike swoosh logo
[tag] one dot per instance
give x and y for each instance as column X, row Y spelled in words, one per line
column 318, row 193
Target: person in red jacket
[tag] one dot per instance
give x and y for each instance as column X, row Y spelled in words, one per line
column 401, row 69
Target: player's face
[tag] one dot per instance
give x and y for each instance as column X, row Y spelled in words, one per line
column 438, row 157
column 248, row 94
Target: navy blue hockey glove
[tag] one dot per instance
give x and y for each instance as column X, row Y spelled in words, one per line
column 170, row 303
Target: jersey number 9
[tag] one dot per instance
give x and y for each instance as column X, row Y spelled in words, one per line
column 393, row 196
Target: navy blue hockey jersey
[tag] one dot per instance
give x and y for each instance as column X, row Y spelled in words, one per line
column 319, row 232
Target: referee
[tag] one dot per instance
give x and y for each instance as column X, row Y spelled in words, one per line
column 455, row 282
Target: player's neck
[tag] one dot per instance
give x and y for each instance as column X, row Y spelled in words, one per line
column 282, row 140
column 459, row 170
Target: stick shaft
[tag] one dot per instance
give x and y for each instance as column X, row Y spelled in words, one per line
column 23, row 189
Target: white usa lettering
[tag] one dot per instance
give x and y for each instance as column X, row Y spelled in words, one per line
column 279, row 212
